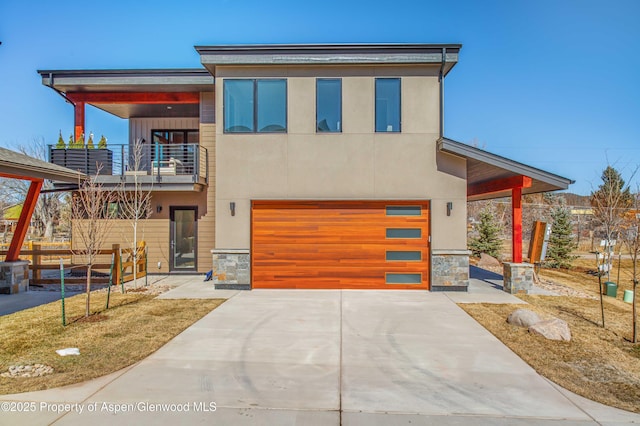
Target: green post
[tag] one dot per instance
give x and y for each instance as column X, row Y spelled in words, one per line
column 64, row 321
column 121, row 273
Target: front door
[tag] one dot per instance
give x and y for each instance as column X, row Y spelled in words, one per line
column 183, row 242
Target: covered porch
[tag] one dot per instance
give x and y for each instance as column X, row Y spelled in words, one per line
column 14, row 273
column 492, row 176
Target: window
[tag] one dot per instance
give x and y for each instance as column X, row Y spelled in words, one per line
column 255, row 106
column 328, row 105
column 395, row 255
column 179, row 145
column 387, row 104
column 404, row 211
column 175, row 136
column 404, row 233
column 395, row 278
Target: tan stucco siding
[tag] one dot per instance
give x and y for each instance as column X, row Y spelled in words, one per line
column 355, row 164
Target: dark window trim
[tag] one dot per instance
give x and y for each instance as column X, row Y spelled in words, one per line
column 328, row 131
column 255, row 105
column 375, row 106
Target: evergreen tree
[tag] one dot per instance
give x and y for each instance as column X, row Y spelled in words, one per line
column 561, row 242
column 90, row 142
column 102, row 143
column 488, row 240
column 60, row 144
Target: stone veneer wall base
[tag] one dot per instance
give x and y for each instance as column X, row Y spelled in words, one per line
column 518, row 277
column 231, row 269
column 449, row 270
column 14, row 277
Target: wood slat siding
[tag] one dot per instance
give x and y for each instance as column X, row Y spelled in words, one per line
column 207, row 108
column 155, row 232
column 206, row 223
column 333, row 244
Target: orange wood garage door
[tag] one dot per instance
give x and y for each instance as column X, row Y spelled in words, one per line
column 340, row 244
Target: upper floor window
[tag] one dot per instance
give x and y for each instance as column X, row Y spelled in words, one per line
column 328, row 105
column 175, row 136
column 387, row 104
column 255, row 106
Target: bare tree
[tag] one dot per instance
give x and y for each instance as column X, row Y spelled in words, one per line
column 90, row 210
column 631, row 237
column 610, row 202
column 135, row 202
column 49, row 204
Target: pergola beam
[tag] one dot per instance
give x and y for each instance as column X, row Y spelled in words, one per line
column 149, row 98
column 499, row 185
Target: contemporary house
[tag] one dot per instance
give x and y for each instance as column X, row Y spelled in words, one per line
column 303, row 166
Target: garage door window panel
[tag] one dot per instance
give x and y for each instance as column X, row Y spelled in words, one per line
column 404, row 256
column 396, row 278
column 404, row 233
column 404, row 211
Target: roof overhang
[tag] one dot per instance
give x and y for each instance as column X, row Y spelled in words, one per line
column 483, row 168
column 120, row 82
column 328, row 54
column 19, row 166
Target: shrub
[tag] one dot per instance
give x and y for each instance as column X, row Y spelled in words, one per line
column 488, row 240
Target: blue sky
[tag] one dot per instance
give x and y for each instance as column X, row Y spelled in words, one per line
column 551, row 83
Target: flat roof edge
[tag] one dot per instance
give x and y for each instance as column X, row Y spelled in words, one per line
column 322, row 46
column 145, row 71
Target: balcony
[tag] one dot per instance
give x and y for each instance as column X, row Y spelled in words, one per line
column 159, row 167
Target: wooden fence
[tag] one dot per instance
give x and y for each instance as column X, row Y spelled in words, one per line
column 43, row 258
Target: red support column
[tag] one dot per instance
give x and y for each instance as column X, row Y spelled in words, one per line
column 516, row 222
column 23, row 223
column 78, row 119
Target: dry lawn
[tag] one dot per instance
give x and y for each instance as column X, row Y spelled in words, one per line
column 599, row 364
column 134, row 326
column 579, row 276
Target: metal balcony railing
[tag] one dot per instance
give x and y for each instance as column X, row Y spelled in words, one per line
column 153, row 160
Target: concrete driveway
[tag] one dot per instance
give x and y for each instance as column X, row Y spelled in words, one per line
column 309, row 357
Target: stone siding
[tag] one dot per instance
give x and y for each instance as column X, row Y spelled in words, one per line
column 231, row 269
column 14, row 277
column 449, row 270
column 518, row 277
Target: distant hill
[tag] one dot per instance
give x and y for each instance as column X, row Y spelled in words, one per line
column 575, row 199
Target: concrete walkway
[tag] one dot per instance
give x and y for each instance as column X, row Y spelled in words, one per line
column 323, row 358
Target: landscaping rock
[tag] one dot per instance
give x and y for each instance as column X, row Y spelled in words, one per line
column 36, row 370
column 523, row 318
column 553, row 329
column 487, row 261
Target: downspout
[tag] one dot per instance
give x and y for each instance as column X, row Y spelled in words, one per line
column 441, row 81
